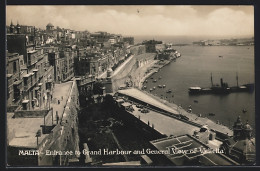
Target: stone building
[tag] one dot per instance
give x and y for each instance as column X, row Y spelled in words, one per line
column 241, row 147
column 14, row 62
column 36, row 75
column 150, row 45
column 130, row 40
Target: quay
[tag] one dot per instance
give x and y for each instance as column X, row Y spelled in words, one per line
column 166, row 119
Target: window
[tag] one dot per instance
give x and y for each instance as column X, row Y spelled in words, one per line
column 14, row 67
column 21, row 62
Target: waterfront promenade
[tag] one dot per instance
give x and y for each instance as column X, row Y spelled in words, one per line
column 165, row 123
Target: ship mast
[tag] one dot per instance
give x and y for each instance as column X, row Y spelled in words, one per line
column 237, row 79
column 211, row 80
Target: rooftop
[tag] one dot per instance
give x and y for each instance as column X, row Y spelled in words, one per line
column 50, row 25
column 192, row 147
column 137, row 94
column 22, row 131
column 165, row 124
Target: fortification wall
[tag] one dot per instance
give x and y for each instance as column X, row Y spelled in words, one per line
column 121, row 77
column 64, row 136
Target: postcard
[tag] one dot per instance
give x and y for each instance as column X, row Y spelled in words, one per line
column 130, row 85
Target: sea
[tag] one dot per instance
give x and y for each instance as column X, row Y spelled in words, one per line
column 194, row 68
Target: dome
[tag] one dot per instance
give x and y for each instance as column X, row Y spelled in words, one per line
column 247, row 126
column 50, row 25
column 238, row 123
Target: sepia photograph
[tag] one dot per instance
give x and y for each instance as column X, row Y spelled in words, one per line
column 130, row 85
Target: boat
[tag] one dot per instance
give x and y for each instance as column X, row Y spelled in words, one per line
column 160, row 86
column 145, row 87
column 154, row 88
column 151, row 77
column 223, row 88
column 154, row 80
column 211, row 114
column 160, row 77
column 244, row 110
column 151, row 89
column 164, row 86
column 169, row 91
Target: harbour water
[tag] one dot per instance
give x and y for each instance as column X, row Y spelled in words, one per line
column 194, row 68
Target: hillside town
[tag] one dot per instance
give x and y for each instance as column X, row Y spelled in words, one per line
column 72, row 96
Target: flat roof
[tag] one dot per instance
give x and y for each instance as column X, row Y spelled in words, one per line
column 22, row 131
column 165, row 124
column 192, row 147
column 137, row 94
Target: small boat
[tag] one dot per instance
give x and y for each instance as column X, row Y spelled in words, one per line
column 154, row 80
column 151, row 89
column 160, row 86
column 145, row 87
column 195, row 101
column 244, row 110
column 169, row 91
column 146, row 81
column 211, row 114
column 160, row 77
column 164, row 86
column 154, row 88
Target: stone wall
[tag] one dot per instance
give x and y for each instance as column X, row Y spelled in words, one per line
column 30, row 113
column 64, row 136
column 121, row 77
column 131, row 69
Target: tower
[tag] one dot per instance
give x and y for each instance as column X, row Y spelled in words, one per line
column 238, row 128
column 11, row 27
column 18, row 28
column 248, row 130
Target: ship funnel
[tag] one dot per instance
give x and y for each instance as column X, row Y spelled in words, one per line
column 221, row 82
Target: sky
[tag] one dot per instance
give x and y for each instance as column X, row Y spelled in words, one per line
column 174, row 20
